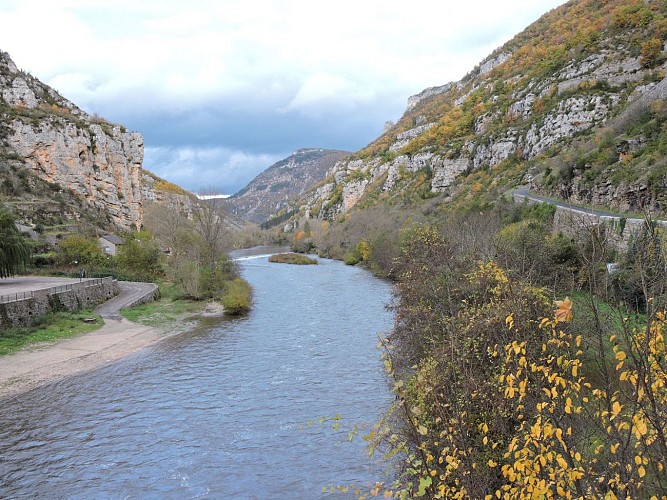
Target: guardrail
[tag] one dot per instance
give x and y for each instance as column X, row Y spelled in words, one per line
column 14, row 297
column 75, row 286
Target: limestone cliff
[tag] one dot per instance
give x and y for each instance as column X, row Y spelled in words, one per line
column 61, row 144
column 553, row 108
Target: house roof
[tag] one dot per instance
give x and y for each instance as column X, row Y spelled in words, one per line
column 112, row 238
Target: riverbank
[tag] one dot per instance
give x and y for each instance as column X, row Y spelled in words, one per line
column 43, row 363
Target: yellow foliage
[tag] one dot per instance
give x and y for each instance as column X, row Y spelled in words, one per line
column 164, row 186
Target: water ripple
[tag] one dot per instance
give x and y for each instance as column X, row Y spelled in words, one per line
column 220, row 411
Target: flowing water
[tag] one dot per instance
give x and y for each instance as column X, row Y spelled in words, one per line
column 222, row 411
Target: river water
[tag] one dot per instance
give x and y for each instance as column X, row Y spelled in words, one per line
column 221, row 411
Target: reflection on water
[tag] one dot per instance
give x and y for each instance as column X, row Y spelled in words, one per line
column 218, row 411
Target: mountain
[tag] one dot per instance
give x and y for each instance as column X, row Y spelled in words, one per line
column 574, row 106
column 60, row 166
column 81, row 157
column 275, row 187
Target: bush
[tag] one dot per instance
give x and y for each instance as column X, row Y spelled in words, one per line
column 78, row 249
column 140, row 257
column 352, row 258
column 237, row 298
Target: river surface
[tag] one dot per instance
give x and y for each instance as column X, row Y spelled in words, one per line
column 221, row 411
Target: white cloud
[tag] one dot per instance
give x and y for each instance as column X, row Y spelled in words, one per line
column 203, row 168
column 302, row 59
column 324, row 92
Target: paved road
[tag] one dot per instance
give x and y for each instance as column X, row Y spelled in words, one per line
column 20, row 284
column 524, row 193
column 130, row 291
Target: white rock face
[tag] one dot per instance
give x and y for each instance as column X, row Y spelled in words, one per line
column 572, row 115
column 17, row 92
column 103, row 168
column 62, row 145
column 490, row 64
column 352, row 193
column 446, row 171
column 425, row 94
column 404, row 138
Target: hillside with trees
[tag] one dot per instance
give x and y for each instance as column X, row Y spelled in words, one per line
column 527, row 358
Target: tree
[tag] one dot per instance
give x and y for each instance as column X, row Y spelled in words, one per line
column 209, row 225
column 197, row 261
column 79, row 249
column 14, row 248
column 141, row 256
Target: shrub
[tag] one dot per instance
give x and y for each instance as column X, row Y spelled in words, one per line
column 237, row 298
column 651, row 55
column 81, row 250
column 352, row 258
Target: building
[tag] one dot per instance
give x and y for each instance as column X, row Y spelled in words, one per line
column 110, row 243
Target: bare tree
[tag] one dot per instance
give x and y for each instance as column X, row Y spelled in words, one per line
column 209, row 224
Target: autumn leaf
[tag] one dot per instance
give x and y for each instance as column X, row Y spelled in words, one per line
column 564, row 310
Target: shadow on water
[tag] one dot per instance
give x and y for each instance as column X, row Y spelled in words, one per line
column 220, row 410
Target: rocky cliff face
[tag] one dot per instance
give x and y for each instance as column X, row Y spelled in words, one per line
column 154, row 189
column 274, row 188
column 66, row 147
column 566, row 80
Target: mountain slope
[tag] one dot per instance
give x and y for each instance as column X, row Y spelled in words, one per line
column 272, row 190
column 547, row 109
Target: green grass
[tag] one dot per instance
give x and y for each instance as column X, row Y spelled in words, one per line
column 292, row 258
column 170, row 307
column 591, row 316
column 51, row 327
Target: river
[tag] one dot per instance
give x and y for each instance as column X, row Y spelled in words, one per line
column 221, row 411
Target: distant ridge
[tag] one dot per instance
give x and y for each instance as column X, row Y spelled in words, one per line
column 273, row 189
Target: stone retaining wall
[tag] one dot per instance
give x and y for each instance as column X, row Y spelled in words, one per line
column 573, row 222
column 72, row 297
column 151, row 296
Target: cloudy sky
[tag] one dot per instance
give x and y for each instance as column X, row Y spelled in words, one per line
column 222, row 89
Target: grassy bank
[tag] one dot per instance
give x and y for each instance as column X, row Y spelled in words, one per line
column 173, row 305
column 170, row 307
column 51, row 327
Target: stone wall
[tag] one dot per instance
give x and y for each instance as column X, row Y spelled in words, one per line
column 71, row 297
column 576, row 223
column 151, row 296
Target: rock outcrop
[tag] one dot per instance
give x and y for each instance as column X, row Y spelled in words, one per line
column 154, row 189
column 61, row 144
column 528, row 100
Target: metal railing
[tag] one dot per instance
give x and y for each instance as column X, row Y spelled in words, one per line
column 75, row 286
column 14, row 297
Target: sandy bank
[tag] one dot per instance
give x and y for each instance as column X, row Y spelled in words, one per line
column 43, row 363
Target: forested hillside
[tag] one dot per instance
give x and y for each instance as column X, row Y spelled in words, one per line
column 528, row 361
column 572, row 106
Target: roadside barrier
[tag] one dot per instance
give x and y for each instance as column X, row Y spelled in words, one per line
column 14, row 297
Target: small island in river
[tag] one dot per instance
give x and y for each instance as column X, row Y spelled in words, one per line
column 292, row 258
